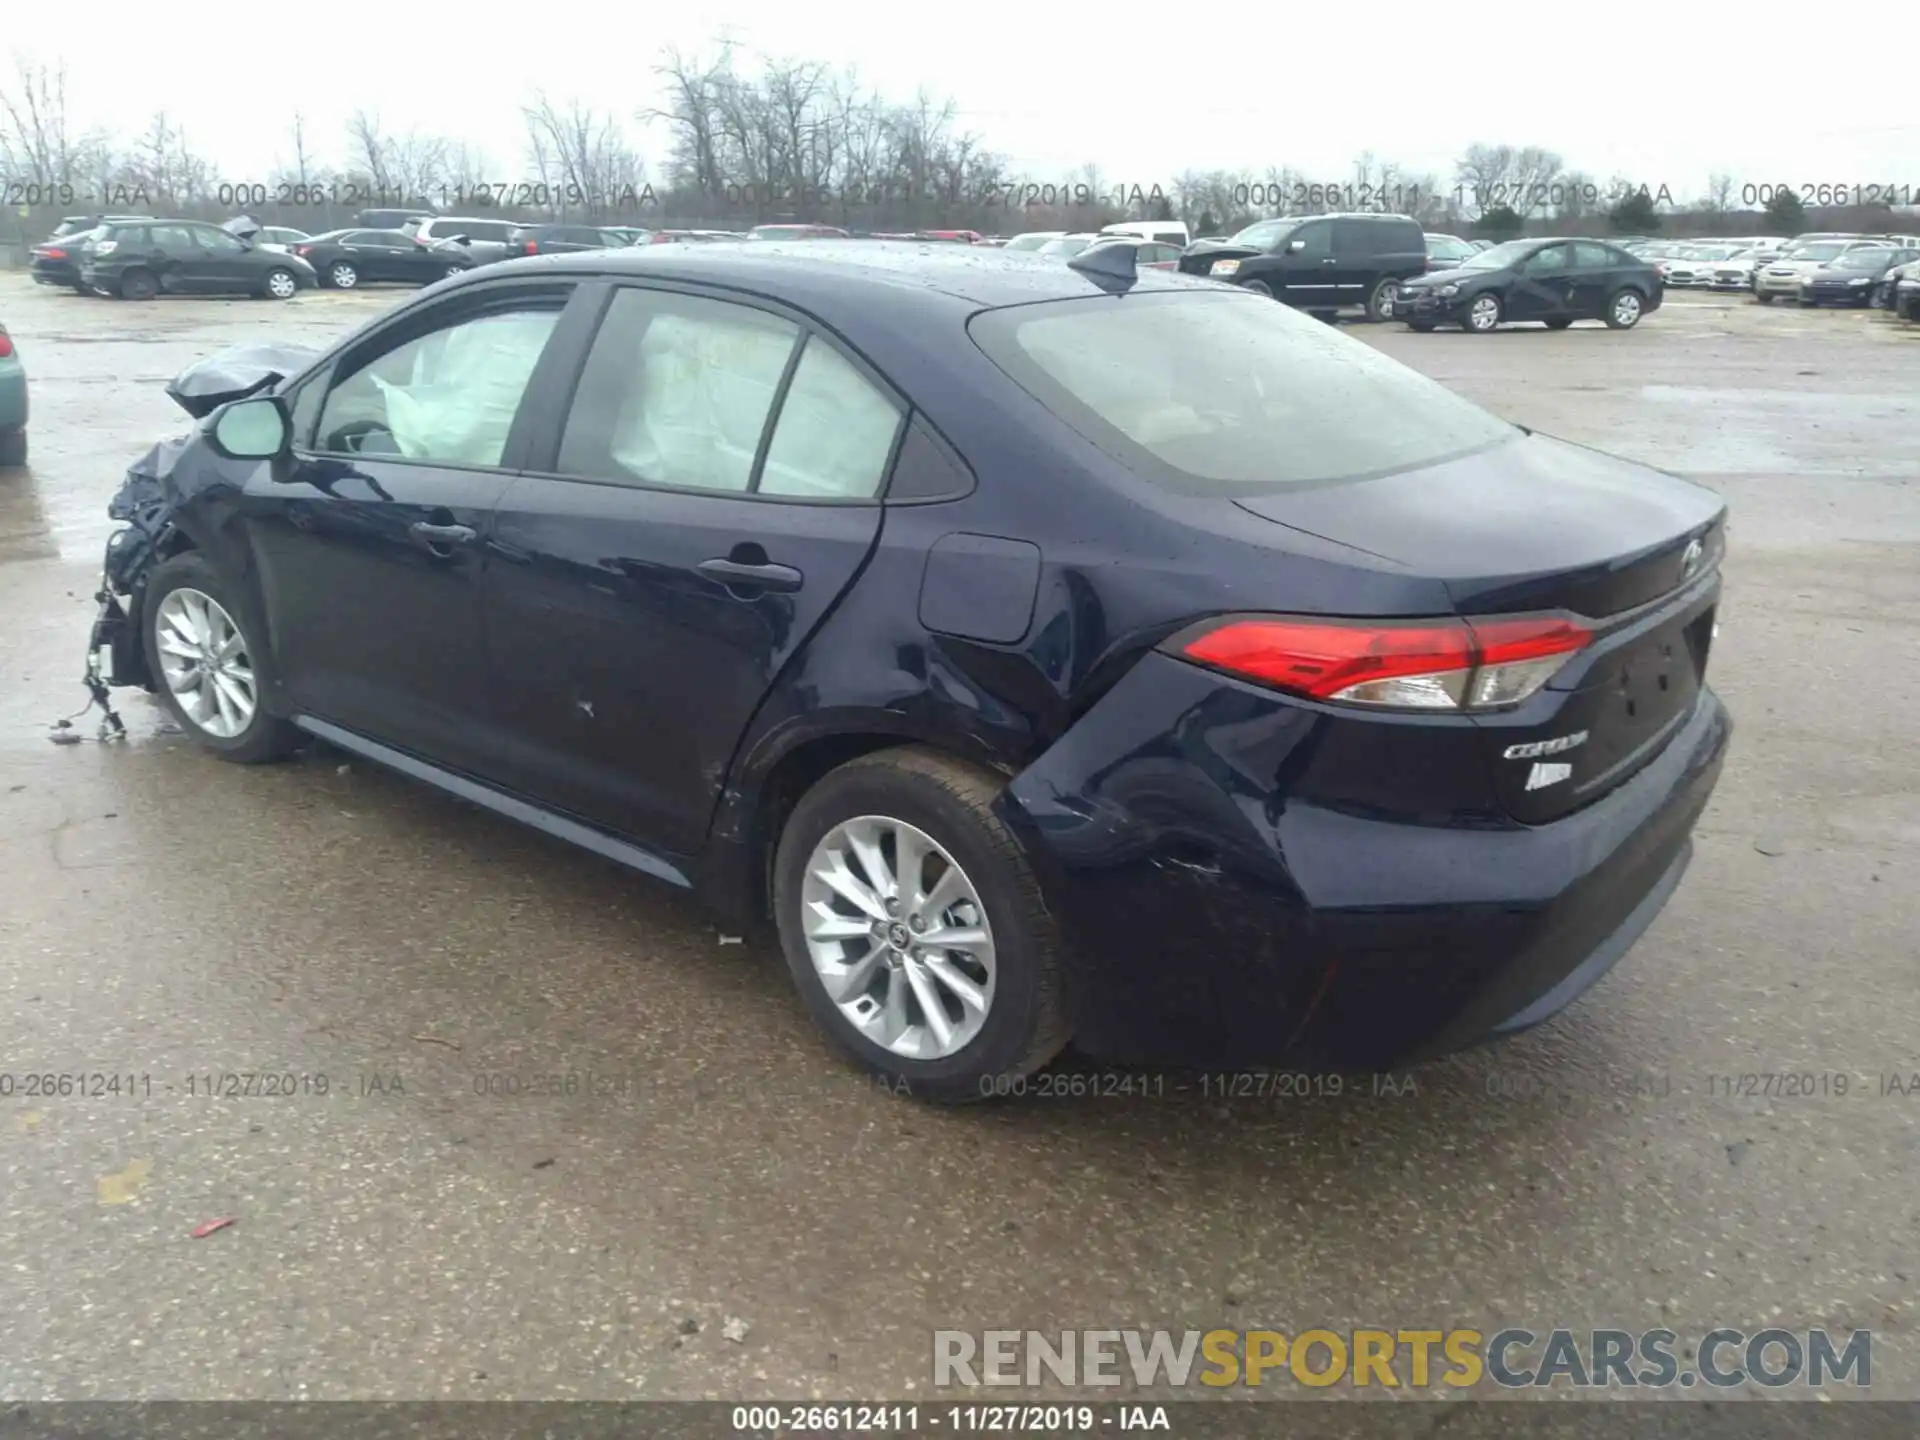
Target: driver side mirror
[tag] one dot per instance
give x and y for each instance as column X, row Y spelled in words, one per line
column 256, row 428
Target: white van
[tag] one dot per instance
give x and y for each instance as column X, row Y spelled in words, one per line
column 1164, row 232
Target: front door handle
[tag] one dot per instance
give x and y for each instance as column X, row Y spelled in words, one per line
column 439, row 538
column 736, row 574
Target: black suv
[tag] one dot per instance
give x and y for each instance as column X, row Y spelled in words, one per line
column 1322, row 263
column 186, row 257
column 562, row 239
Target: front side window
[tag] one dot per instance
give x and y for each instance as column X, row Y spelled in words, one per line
column 216, row 239
column 676, row 392
column 1315, row 239
column 1223, row 394
column 1554, row 257
column 448, row 396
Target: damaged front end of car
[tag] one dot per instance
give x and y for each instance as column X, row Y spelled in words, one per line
column 148, row 503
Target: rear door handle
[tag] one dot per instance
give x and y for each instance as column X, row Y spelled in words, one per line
column 438, row 537
column 736, row 574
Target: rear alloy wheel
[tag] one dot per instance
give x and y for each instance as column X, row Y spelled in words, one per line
column 207, row 668
column 1559, row 324
column 138, row 285
column 281, row 284
column 914, row 927
column 1483, row 315
column 1624, row 309
column 1381, row 300
column 342, row 276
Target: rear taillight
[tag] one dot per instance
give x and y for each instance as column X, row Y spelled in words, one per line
column 1400, row 664
column 6, row 345
column 53, row 254
column 533, row 247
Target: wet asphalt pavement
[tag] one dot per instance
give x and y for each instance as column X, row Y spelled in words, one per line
column 407, row 1235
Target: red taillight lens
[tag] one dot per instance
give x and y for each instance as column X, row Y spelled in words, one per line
column 533, row 247
column 6, row 345
column 1419, row 665
column 53, row 253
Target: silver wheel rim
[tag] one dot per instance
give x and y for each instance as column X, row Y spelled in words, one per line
column 204, row 660
column 281, row 284
column 345, row 276
column 1259, row 287
column 1389, row 297
column 908, row 959
column 1485, row 313
column 1626, row 309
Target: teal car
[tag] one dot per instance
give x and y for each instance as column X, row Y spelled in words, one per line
column 13, row 404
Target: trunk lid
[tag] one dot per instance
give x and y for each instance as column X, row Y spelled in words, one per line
column 1539, row 524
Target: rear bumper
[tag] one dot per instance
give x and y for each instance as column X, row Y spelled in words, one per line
column 54, row 272
column 1220, row 916
column 13, row 396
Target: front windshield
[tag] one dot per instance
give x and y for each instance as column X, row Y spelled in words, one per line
column 1821, row 250
column 1865, row 259
column 1264, row 234
column 1501, row 256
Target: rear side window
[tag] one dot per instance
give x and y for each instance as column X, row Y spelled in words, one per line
column 676, row 392
column 835, row 432
column 1596, row 257
column 1229, row 393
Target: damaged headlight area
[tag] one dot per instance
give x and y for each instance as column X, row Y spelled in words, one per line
column 155, row 487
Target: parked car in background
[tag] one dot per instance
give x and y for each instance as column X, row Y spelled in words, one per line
column 629, row 234
column 347, row 258
column 690, row 237
column 963, row 237
column 1885, row 294
column 1850, row 278
column 1322, row 263
column 278, row 237
column 1068, row 245
column 561, row 240
column 1481, row 244
column 389, row 219
column 1033, row 239
column 186, row 257
column 1736, row 271
column 1446, row 251
column 1553, row 281
column 1147, row 254
column 57, row 259
column 1696, row 268
column 1163, row 232
column 1216, row 749
column 1785, row 275
column 797, row 232
column 13, row 403
column 1906, row 294
column 485, row 241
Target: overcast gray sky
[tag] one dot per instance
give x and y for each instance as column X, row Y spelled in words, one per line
column 1052, row 86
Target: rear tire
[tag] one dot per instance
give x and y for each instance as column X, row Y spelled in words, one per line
column 1381, row 299
column 881, row 972
column 342, row 275
column 138, row 285
column 208, row 666
column 1763, row 297
column 1624, row 309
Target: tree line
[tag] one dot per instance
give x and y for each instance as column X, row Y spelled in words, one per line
column 802, row 140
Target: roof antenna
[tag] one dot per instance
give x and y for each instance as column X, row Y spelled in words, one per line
column 1104, row 262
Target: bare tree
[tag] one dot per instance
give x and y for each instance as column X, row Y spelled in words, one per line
column 1517, row 178
column 37, row 143
column 583, row 157
column 1719, row 193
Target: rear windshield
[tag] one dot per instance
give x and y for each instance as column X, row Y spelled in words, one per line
column 1228, row 393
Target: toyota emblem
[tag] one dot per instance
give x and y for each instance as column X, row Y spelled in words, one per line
column 1690, row 561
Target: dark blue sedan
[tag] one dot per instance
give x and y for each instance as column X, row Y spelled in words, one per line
column 1051, row 652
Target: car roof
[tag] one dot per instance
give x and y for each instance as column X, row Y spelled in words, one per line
column 843, row 272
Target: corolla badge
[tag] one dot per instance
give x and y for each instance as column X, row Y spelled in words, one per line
column 1534, row 748
column 1690, row 561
